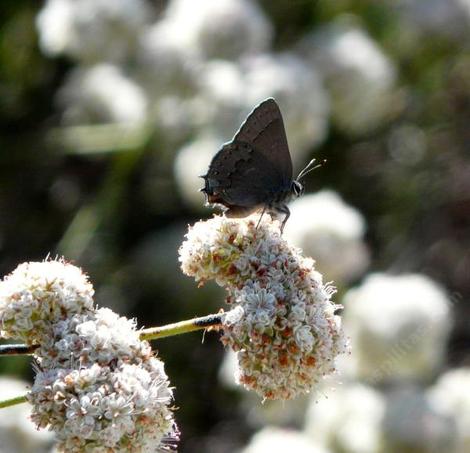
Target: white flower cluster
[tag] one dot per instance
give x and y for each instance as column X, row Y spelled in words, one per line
column 91, row 94
column 357, row 418
column 413, row 423
column 359, row 76
column 350, row 419
column 37, row 295
column 220, row 28
column 17, row 432
column 122, row 407
column 88, row 29
column 97, row 337
column 98, row 387
column 398, row 327
column 277, row 440
column 282, row 327
column 422, row 18
column 325, row 227
column 450, row 397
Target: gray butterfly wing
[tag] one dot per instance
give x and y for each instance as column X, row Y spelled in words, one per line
column 241, row 178
column 264, row 130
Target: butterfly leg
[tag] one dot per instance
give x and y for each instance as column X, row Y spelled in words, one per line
column 283, row 209
column 261, row 216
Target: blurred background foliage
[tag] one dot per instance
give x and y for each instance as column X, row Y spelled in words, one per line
column 110, row 110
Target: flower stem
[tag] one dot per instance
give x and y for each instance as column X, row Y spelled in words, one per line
column 17, row 349
column 152, row 333
column 178, row 328
column 13, row 401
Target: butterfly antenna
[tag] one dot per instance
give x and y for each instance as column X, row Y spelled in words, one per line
column 308, row 168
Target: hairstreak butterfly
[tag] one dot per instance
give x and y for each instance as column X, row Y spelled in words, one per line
column 254, row 170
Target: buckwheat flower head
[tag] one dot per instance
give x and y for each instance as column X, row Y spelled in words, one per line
column 282, row 325
column 98, row 337
column 450, row 396
column 349, row 420
column 399, row 325
column 413, row 423
column 449, row 18
column 166, row 64
column 91, row 30
column 222, row 88
column 38, row 294
column 99, row 387
column 325, row 227
column 277, row 440
column 223, row 29
column 89, row 96
column 359, row 76
column 300, row 92
column 105, row 408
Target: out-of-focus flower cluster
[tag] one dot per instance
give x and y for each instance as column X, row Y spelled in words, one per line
column 277, row 440
column 399, row 326
column 97, row 386
column 282, row 325
column 450, row 397
column 17, row 432
column 359, row 76
column 325, row 227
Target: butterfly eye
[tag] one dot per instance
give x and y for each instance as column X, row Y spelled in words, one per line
column 297, row 188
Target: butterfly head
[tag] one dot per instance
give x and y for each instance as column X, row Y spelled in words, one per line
column 297, row 189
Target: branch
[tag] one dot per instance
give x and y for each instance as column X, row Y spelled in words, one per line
column 17, row 349
column 178, row 328
column 13, row 401
column 152, row 333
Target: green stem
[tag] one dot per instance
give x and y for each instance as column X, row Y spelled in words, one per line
column 153, row 333
column 178, row 328
column 13, row 401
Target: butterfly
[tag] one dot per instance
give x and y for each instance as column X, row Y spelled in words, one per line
column 254, row 170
